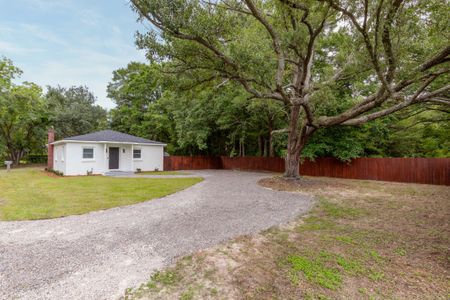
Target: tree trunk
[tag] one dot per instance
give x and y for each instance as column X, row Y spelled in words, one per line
column 293, row 153
column 260, row 146
column 296, row 142
column 265, row 147
column 240, row 148
column 15, row 156
column 292, row 162
column 271, row 149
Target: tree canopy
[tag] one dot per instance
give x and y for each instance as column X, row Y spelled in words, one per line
column 73, row 111
column 285, row 78
column 26, row 113
column 328, row 62
column 22, row 113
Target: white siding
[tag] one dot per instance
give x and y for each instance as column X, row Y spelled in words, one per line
column 69, row 158
column 59, row 158
column 76, row 165
column 152, row 157
column 125, row 158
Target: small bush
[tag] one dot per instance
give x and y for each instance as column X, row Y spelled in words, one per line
column 36, row 158
column 58, row 173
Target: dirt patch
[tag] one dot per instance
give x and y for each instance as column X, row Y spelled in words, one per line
column 279, row 183
column 50, row 174
column 363, row 240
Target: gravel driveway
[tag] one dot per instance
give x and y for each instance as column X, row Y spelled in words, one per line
column 100, row 254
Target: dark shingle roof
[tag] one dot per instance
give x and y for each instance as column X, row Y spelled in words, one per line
column 111, row 136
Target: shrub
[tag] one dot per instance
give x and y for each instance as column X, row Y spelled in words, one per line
column 36, row 158
column 58, row 173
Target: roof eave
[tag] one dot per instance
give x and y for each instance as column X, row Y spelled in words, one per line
column 106, row 142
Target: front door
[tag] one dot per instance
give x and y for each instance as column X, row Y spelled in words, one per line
column 113, row 158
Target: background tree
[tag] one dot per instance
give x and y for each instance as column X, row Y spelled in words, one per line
column 203, row 120
column 73, row 111
column 328, row 62
column 23, row 115
column 419, row 132
column 135, row 91
column 26, row 114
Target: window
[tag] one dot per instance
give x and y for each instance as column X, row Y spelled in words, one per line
column 88, row 153
column 137, row 153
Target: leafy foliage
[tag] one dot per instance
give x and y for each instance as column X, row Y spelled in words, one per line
column 73, row 111
column 23, row 114
column 328, row 63
column 26, row 113
column 215, row 119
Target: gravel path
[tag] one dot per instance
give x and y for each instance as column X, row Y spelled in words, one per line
column 100, row 254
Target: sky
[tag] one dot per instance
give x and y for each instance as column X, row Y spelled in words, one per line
column 69, row 42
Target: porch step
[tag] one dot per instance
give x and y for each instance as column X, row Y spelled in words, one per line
column 119, row 173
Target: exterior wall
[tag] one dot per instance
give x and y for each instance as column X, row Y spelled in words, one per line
column 152, row 157
column 59, row 158
column 124, row 157
column 69, row 158
column 76, row 165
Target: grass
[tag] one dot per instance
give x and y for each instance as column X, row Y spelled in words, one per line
column 363, row 240
column 163, row 173
column 314, row 271
column 29, row 194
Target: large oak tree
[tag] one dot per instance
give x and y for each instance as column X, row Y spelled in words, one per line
column 330, row 62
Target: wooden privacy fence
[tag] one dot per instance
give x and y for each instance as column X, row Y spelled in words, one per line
column 416, row 170
column 191, row 162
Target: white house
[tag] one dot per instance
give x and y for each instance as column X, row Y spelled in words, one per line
column 103, row 152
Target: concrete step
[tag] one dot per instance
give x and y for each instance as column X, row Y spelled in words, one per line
column 119, row 173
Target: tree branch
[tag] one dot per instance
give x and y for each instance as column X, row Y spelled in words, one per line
column 397, row 107
column 276, row 42
column 219, row 54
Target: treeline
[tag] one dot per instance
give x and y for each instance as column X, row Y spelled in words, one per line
column 213, row 118
column 26, row 113
column 205, row 119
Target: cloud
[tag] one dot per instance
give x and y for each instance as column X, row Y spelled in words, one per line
column 90, row 18
column 42, row 34
column 9, row 48
column 83, row 67
column 61, row 42
column 48, row 4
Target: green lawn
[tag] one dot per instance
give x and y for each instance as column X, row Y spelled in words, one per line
column 28, row 194
column 163, row 173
